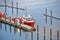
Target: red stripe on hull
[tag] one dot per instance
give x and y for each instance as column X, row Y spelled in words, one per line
column 29, row 23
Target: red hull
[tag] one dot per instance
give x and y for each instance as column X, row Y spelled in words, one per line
column 29, row 23
column 25, row 22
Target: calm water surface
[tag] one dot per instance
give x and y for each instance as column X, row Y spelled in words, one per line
column 13, row 33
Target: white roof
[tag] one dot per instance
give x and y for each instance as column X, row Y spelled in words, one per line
column 27, row 16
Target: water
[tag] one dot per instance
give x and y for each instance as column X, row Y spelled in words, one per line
column 13, row 33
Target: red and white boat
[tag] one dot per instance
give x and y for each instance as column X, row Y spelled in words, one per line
column 25, row 19
column 2, row 15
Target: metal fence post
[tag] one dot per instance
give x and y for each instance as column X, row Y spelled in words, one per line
column 31, row 35
column 44, row 33
column 50, row 33
column 57, row 35
column 37, row 32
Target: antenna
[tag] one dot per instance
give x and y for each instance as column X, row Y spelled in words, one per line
column 5, row 8
column 12, row 8
column 51, row 16
column 25, row 9
column 46, row 14
column 17, row 8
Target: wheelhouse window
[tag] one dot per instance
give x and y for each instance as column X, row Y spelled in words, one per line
column 24, row 18
column 28, row 19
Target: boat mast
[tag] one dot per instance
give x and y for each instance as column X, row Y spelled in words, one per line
column 26, row 10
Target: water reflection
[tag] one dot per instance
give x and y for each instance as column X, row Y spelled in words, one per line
column 0, row 25
column 31, row 35
column 10, row 28
column 15, row 32
column 5, row 27
column 20, row 32
column 27, row 35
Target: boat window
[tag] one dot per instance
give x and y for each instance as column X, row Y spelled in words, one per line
column 23, row 18
column 28, row 19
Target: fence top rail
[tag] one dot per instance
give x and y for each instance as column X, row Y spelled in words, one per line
column 51, row 16
column 11, row 7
